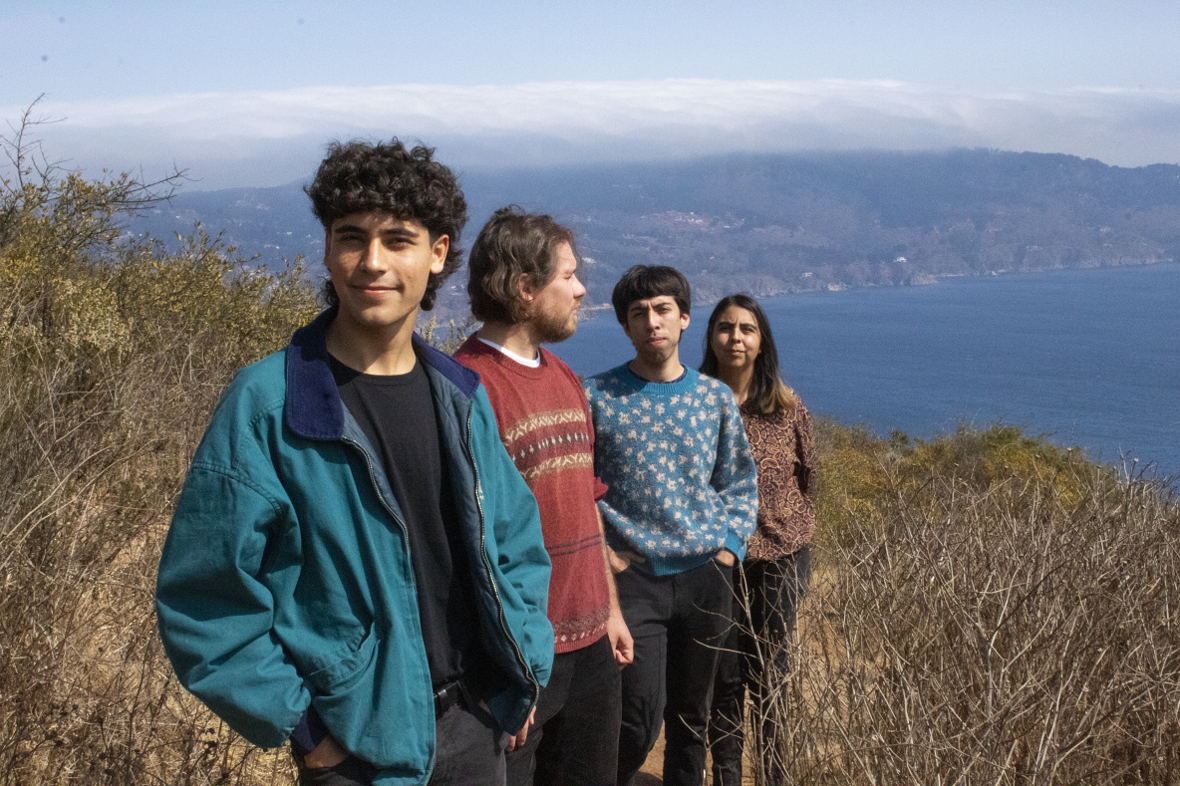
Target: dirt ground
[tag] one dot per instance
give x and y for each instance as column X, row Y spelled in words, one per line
column 653, row 768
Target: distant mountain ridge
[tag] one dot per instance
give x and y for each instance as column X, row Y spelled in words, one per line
column 768, row 224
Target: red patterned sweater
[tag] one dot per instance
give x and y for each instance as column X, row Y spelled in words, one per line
column 545, row 425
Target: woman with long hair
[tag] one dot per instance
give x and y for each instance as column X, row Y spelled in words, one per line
column 740, row 351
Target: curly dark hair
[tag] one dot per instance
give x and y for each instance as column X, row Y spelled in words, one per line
column 510, row 244
column 359, row 177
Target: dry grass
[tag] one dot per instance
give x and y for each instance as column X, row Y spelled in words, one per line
column 93, row 447
column 113, row 355
column 999, row 632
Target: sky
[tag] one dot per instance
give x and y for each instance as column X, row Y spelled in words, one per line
column 249, row 93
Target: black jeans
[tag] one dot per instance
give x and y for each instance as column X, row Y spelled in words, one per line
column 773, row 590
column 678, row 623
column 469, row 751
column 576, row 737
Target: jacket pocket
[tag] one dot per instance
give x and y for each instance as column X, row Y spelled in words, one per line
column 336, row 678
column 374, row 710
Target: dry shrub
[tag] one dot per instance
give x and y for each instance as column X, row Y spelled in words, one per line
column 113, row 355
column 1009, row 617
column 448, row 340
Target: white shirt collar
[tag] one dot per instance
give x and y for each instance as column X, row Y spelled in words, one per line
column 529, row 362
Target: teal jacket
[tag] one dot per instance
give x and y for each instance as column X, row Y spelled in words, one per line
column 285, row 580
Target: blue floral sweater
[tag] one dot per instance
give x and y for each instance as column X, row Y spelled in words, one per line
column 682, row 482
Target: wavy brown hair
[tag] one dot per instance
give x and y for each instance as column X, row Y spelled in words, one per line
column 768, row 393
column 408, row 184
column 511, row 244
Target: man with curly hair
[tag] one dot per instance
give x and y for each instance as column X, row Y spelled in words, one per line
column 355, row 565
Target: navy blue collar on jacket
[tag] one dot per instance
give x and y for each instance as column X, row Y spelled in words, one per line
column 313, row 406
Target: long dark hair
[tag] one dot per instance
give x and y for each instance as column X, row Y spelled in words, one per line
column 768, row 393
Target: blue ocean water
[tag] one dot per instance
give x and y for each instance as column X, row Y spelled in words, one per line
column 1089, row 358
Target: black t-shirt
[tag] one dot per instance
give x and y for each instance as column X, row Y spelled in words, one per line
column 396, row 413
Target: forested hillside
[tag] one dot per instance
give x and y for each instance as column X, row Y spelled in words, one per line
column 780, row 223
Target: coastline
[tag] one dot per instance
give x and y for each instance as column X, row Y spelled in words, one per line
column 1089, row 356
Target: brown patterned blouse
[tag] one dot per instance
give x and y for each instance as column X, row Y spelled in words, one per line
column 784, row 449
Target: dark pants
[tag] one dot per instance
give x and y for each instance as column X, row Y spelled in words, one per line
column 773, row 590
column 469, row 751
column 678, row 623
column 576, row 737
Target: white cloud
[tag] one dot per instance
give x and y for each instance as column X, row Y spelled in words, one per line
column 253, row 138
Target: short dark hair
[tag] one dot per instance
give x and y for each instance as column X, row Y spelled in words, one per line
column 768, row 393
column 643, row 281
column 512, row 243
column 360, row 177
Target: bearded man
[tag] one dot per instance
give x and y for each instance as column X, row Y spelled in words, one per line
column 524, row 287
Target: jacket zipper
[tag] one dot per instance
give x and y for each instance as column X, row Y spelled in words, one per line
column 405, row 531
column 483, row 552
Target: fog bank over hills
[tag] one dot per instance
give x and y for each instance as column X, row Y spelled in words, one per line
column 769, row 224
column 260, row 138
